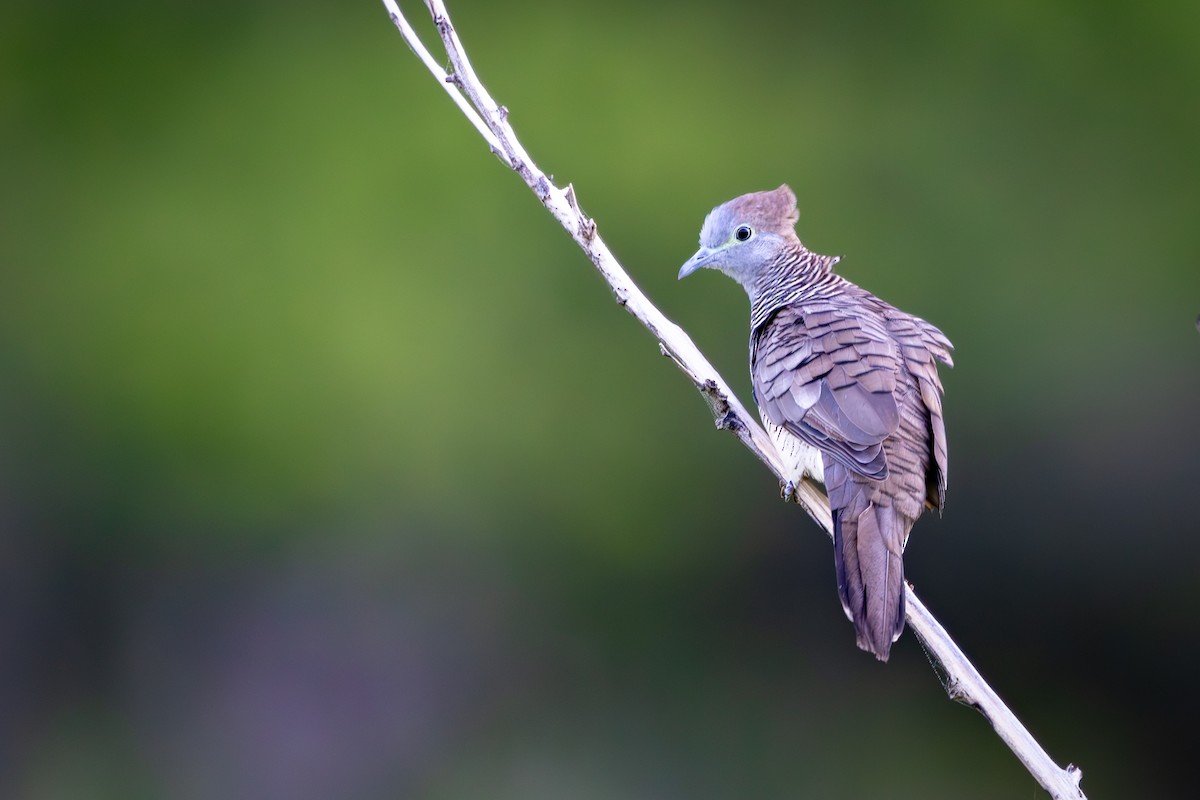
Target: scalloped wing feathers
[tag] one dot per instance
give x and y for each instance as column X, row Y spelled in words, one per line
column 857, row 379
column 829, row 377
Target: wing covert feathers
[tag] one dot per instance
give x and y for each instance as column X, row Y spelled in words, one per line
column 858, row 380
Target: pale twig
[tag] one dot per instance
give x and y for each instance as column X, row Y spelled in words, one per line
column 963, row 681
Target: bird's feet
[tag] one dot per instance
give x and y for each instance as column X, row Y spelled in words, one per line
column 787, row 490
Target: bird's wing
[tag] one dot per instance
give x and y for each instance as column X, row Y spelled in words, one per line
column 826, row 372
column 920, row 343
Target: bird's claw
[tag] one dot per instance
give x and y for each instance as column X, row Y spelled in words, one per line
column 787, row 490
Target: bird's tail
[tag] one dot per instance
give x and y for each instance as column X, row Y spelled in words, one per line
column 868, row 549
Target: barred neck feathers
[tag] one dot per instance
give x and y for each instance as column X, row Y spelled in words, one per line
column 794, row 275
column 752, row 239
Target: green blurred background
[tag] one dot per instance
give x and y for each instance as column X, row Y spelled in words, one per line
column 328, row 468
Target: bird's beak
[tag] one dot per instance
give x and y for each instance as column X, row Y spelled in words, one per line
column 702, row 258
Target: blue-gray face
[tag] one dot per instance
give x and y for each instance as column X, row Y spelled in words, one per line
column 732, row 242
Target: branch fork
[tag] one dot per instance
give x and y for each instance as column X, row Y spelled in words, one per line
column 963, row 682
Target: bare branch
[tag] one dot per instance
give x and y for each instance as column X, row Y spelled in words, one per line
column 965, row 685
column 447, row 82
column 964, row 682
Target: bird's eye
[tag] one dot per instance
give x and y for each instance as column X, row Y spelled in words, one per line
column 743, row 233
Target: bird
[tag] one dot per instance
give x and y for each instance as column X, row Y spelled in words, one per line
column 848, row 388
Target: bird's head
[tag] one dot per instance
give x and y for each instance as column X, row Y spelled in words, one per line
column 743, row 235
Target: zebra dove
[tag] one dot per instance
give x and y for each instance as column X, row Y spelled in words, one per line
column 839, row 370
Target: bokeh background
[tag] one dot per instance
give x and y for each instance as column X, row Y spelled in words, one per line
column 328, row 468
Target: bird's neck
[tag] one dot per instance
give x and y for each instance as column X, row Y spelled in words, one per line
column 794, row 275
